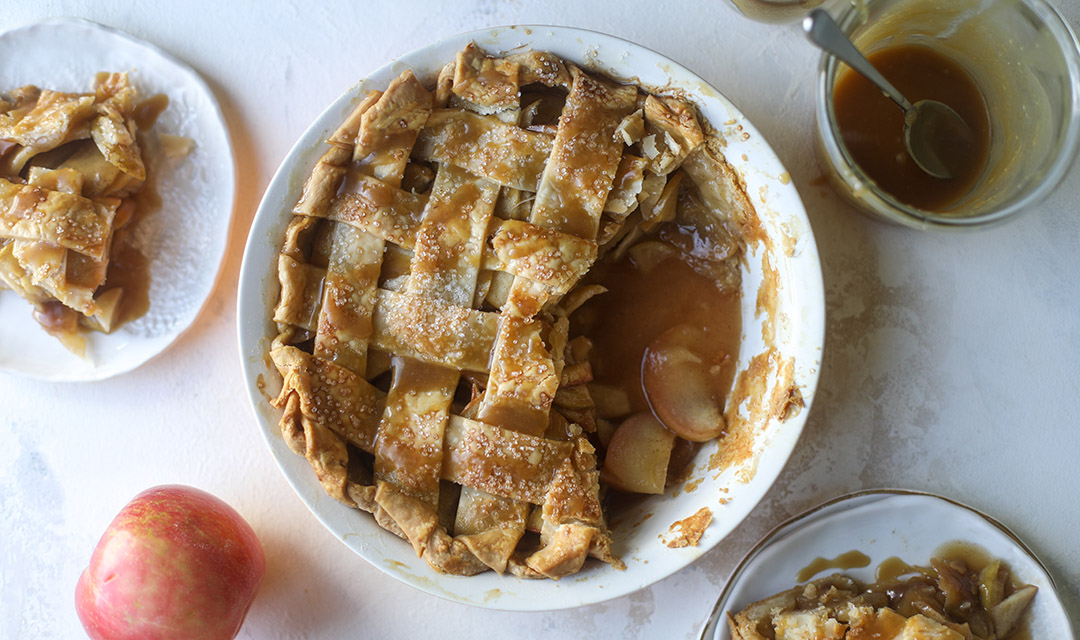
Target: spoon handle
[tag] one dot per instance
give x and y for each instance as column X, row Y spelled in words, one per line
column 826, row 34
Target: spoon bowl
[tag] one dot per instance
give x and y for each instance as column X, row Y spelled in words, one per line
column 935, row 136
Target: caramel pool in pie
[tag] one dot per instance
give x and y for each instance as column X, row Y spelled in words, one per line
column 439, row 305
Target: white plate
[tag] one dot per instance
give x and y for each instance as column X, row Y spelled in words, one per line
column 185, row 240
column 883, row 524
column 800, row 331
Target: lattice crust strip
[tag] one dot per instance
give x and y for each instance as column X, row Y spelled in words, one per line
column 420, row 338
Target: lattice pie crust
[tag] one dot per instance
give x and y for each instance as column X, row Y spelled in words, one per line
column 426, row 279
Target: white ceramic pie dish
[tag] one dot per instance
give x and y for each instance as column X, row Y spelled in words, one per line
column 185, row 240
column 882, row 524
column 799, row 331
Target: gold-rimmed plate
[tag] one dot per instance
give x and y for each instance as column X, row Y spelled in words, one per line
column 882, row 524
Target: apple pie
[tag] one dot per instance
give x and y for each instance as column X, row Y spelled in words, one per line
column 444, row 277
column 952, row 599
column 71, row 188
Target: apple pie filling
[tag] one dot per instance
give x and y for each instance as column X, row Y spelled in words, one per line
column 962, row 595
column 73, row 185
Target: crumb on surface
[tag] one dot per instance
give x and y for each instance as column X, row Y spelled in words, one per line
column 688, row 531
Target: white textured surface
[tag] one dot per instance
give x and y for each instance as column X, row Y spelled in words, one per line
column 951, row 364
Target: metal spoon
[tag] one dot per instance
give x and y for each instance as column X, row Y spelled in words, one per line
column 936, row 137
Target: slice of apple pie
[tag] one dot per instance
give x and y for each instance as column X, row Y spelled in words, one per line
column 71, row 174
column 952, row 599
column 432, row 372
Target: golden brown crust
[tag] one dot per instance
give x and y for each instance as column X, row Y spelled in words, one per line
column 68, row 220
column 489, row 84
column 487, row 147
column 541, row 67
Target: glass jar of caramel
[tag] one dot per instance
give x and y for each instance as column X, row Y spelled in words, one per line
column 1011, row 68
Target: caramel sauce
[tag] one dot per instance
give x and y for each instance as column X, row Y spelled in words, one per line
column 976, row 558
column 549, row 103
column 973, row 556
column 620, row 505
column 379, row 194
column 906, row 584
column 853, row 559
column 462, row 136
column 679, row 465
column 646, row 299
column 946, row 592
column 492, row 76
column 313, row 302
column 872, row 126
column 640, row 305
column 129, row 269
column 892, row 568
column 146, row 112
column 525, row 418
column 380, row 149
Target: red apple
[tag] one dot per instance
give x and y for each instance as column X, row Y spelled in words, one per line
column 176, row 563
